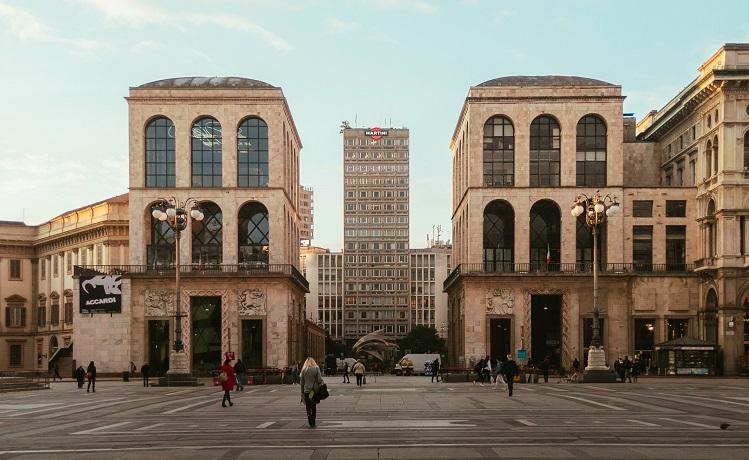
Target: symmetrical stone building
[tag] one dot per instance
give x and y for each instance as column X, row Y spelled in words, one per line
column 37, row 327
column 522, row 151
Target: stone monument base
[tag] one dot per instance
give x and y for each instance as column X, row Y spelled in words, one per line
column 178, row 374
column 597, row 371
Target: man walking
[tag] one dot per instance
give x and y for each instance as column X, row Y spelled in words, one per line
column 479, row 370
column 436, row 370
column 57, row 371
column 359, row 371
column 145, row 372
column 510, row 368
column 545, row 369
column 346, row 378
column 239, row 371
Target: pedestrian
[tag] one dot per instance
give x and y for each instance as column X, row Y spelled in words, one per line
column 479, row 370
column 510, row 368
column 359, row 371
column 436, row 370
column 132, row 369
column 56, row 367
column 545, row 368
column 228, row 380
column 239, row 372
column 145, row 372
column 80, row 375
column 635, row 368
column 627, row 364
column 499, row 371
column 346, row 378
column 91, row 376
column 311, row 379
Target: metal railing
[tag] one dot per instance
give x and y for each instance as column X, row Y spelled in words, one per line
column 536, row 268
column 23, row 380
column 245, row 269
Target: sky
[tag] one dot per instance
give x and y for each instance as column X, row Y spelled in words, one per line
column 67, row 66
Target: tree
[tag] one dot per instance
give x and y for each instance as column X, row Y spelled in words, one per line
column 422, row 339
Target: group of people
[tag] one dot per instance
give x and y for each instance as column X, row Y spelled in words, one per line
column 359, row 371
column 495, row 370
column 627, row 369
column 81, row 375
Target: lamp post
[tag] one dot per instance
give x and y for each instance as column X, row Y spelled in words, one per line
column 597, row 209
column 176, row 215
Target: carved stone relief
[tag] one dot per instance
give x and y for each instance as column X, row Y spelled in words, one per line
column 159, row 302
column 251, row 302
column 499, row 301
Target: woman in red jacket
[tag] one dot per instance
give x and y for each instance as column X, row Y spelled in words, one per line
column 229, row 383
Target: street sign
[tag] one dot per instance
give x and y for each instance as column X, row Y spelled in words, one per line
column 522, row 354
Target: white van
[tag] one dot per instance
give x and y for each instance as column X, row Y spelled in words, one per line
column 413, row 363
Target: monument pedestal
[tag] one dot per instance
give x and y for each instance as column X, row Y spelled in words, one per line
column 597, row 371
column 178, row 374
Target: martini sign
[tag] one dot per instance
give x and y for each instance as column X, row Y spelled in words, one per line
column 376, row 133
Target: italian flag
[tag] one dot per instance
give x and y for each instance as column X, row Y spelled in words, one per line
column 548, row 253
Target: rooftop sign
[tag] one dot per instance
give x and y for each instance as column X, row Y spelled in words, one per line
column 376, row 133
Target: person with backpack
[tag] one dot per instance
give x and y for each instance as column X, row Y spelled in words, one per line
column 310, row 383
column 510, row 368
column 239, row 372
column 228, row 380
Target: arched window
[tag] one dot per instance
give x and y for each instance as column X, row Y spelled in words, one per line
column 708, row 159
column 711, row 317
column 253, row 233
column 711, row 235
column 252, row 153
column 160, row 153
column 544, row 152
column 206, row 153
column 746, row 152
column 584, row 245
column 499, row 237
column 499, row 152
column 161, row 249
column 715, row 154
column 545, row 241
column 207, row 235
column 591, row 152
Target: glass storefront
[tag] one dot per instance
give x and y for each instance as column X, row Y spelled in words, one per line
column 206, row 334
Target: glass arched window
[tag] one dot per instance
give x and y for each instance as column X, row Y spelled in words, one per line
column 161, row 249
column 711, row 233
column 591, row 152
column 715, row 155
column 545, row 241
column 499, row 237
column 711, row 317
column 544, row 152
column 253, row 233
column 207, row 235
column 746, row 152
column 708, row 159
column 499, row 152
column 252, row 153
column 584, row 245
column 160, row 153
column 206, row 153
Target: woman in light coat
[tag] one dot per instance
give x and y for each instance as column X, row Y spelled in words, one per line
column 310, row 381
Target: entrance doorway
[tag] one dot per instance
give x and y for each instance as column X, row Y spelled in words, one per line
column 500, row 333
column 252, row 343
column 158, row 346
column 546, row 328
column 206, row 334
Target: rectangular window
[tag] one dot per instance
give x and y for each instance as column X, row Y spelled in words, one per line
column 41, row 315
column 55, row 266
column 676, row 208
column 15, row 316
column 642, row 247
column 15, row 269
column 16, row 355
column 69, row 263
column 680, row 174
column 692, row 173
column 677, row 328
column 55, row 320
column 68, row 313
column 644, row 334
column 676, row 245
column 43, row 268
column 99, row 254
column 642, row 208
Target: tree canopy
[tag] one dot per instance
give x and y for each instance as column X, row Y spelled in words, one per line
column 422, row 339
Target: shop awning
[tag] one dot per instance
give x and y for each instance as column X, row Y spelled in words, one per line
column 686, row 343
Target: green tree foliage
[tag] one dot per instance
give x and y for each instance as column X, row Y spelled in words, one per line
column 422, row 339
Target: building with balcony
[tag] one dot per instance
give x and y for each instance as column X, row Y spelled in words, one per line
column 230, row 144
column 523, row 148
column 700, row 140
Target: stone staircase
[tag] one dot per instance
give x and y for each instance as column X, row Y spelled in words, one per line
column 21, row 382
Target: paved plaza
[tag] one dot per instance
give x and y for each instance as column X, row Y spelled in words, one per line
column 389, row 418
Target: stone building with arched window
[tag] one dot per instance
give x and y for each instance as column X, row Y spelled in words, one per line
column 673, row 262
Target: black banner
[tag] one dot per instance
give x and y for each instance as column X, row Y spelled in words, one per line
column 100, row 293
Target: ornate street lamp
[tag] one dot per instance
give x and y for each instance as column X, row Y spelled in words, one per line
column 175, row 214
column 597, row 209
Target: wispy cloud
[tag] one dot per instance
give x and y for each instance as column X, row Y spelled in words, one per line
column 145, row 45
column 419, row 6
column 25, row 26
column 136, row 13
column 338, row 26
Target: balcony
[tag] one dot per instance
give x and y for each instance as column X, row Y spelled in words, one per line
column 247, row 269
column 567, row 269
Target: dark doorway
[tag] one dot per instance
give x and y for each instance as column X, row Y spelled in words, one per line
column 546, row 328
column 158, row 346
column 252, row 343
column 206, row 334
column 499, row 336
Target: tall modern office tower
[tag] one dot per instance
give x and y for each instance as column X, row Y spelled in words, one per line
column 375, row 231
